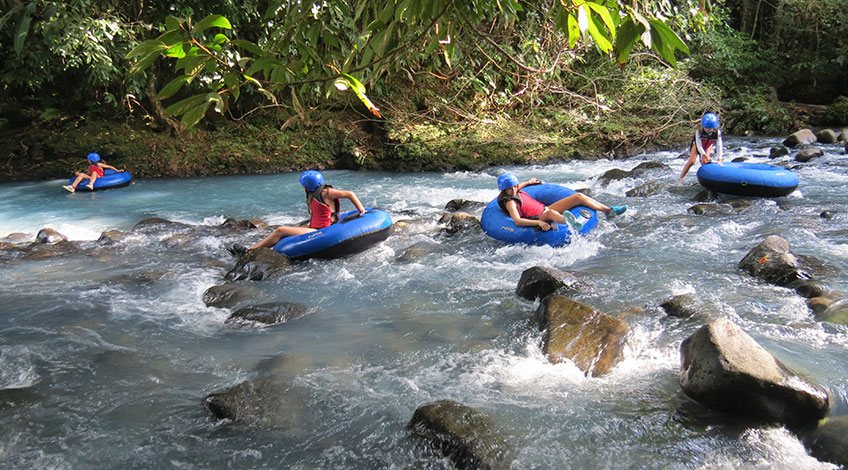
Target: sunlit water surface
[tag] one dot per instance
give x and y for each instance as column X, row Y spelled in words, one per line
column 106, row 356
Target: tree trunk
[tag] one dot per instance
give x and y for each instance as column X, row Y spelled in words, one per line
column 174, row 126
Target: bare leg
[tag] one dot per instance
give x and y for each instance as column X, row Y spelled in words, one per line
column 578, row 199
column 279, row 233
column 693, row 154
column 80, row 176
column 93, row 178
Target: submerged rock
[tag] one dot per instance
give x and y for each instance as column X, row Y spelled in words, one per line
column 258, row 264
column 725, row 369
column 244, row 224
column 682, row 306
column 538, row 282
column 594, row 341
column 829, row 442
column 710, row 209
column 772, row 262
column 153, row 224
column 808, row 289
column 465, row 435
column 47, row 251
column 463, row 205
column 227, row 295
column 418, row 251
column 639, row 170
column 111, row 237
column 648, row 189
column 835, row 312
column 264, row 402
column 269, row 314
column 460, row 222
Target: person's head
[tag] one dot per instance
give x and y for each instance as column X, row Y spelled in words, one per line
column 709, row 121
column 507, row 181
column 311, row 179
column 93, row 157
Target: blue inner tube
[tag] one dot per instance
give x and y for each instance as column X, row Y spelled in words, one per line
column 110, row 179
column 748, row 179
column 352, row 235
column 499, row 225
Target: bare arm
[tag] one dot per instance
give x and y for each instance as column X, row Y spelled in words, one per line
column 512, row 210
column 108, row 167
column 528, row 183
column 337, row 194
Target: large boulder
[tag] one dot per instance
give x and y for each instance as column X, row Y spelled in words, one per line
column 594, row 341
column 829, row 441
column 538, row 282
column 465, row 435
column 772, row 262
column 725, row 369
column 682, row 306
column 802, row 137
column 258, row 264
column 826, row 136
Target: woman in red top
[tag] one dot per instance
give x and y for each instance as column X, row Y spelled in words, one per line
column 95, row 170
column 323, row 202
column 528, row 212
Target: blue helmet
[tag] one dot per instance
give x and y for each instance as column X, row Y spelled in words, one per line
column 311, row 179
column 506, row 181
column 709, row 121
column 93, row 157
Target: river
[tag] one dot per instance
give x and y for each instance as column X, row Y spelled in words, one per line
column 108, row 353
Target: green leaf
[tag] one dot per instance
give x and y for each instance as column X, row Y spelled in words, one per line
column 211, row 21
column 172, row 23
column 298, row 108
column 605, row 15
column 600, row 38
column 248, row 46
column 628, row 33
column 220, row 39
column 171, row 38
column 573, row 31
column 176, row 52
column 184, row 105
column 194, row 115
column 23, row 27
column 172, row 87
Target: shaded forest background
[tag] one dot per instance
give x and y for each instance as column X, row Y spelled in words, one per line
column 451, row 85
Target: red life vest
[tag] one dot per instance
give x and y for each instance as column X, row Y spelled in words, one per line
column 92, row 169
column 708, row 139
column 321, row 215
column 528, row 208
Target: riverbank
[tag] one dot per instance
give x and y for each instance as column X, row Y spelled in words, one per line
column 341, row 140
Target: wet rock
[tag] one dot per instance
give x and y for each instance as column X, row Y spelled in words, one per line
column 594, row 341
column 264, row 402
column 465, row 435
column 843, row 136
column 777, row 152
column 463, row 205
column 826, row 136
column 538, row 282
column 16, row 238
column 738, row 204
column 180, row 240
column 648, row 189
column 418, row 251
column 705, row 195
column 47, row 251
column 244, row 224
column 808, row 154
column 614, row 174
column 258, row 264
column 739, row 159
column 155, row 224
column 772, row 262
column 725, row 369
column 819, row 305
column 269, row 314
column 802, row 137
column 682, row 306
column 110, row 237
column 710, row 209
column 48, row 235
column 826, row 215
column 836, row 312
column 829, row 441
column 460, row 222
column 807, row 288
column 227, row 295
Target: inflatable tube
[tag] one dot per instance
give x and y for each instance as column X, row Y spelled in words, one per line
column 352, row 235
column 748, row 179
column 110, row 179
column 499, row 225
